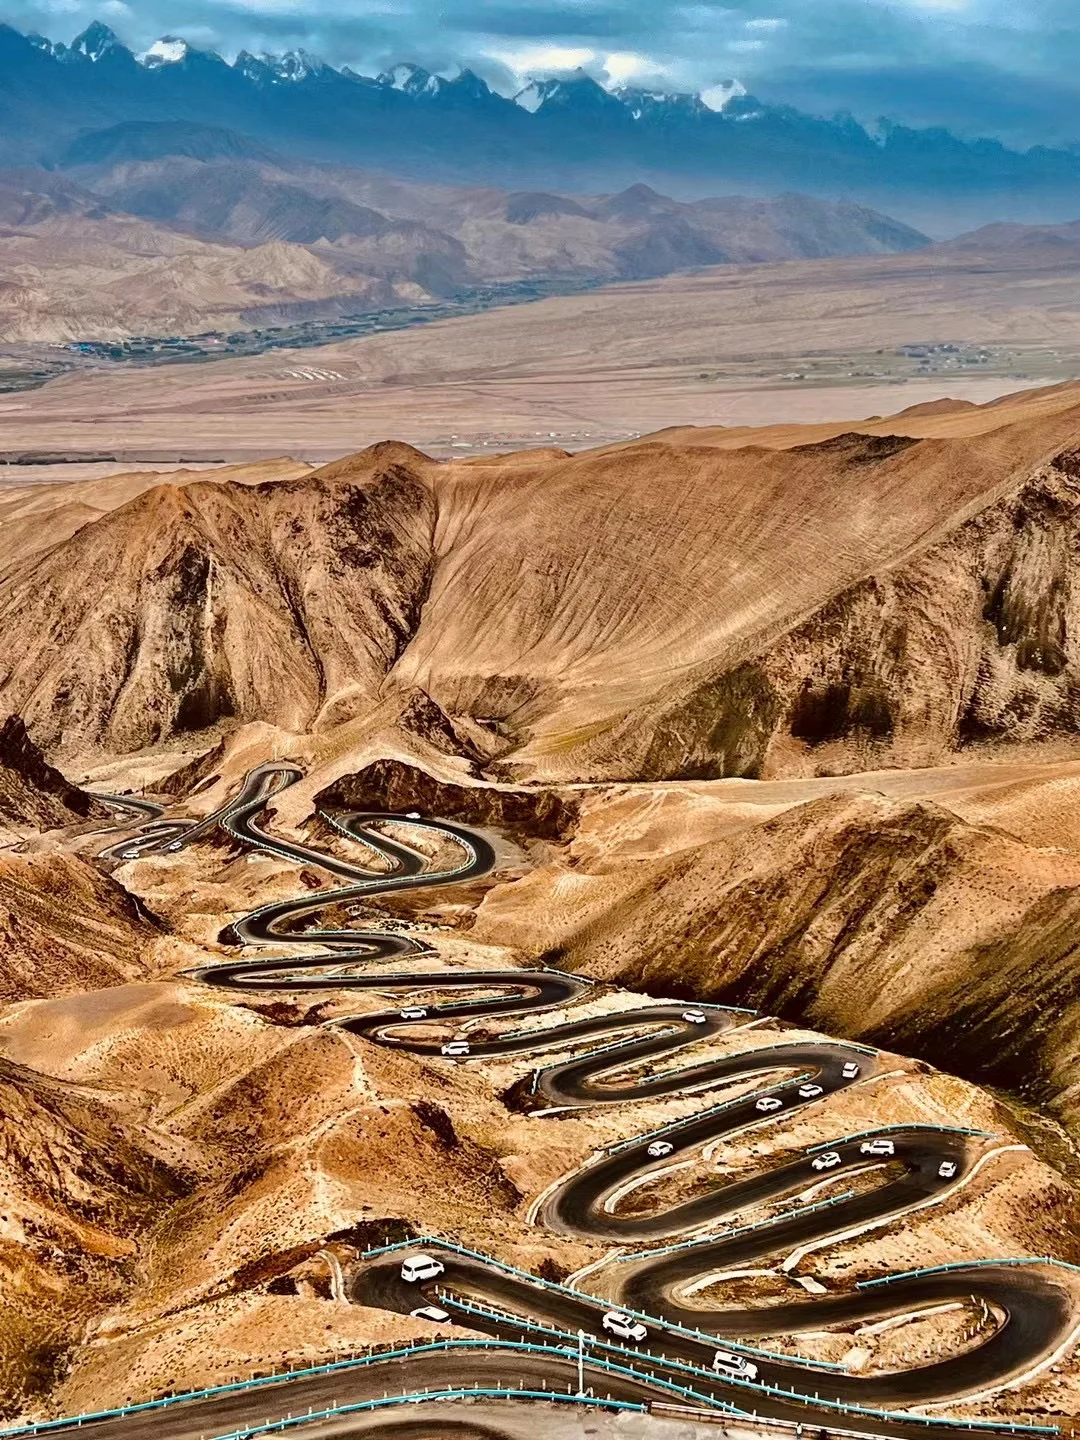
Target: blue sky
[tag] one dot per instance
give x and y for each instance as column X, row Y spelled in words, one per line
column 1008, row 68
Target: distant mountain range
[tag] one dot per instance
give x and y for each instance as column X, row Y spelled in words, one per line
column 171, row 228
column 564, row 133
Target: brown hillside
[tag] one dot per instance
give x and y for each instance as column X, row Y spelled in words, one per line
column 656, row 610
column 32, row 792
column 65, row 926
column 191, row 605
column 79, row 1182
column 33, row 518
column 893, row 922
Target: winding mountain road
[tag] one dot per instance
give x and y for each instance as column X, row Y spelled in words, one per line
column 1034, row 1303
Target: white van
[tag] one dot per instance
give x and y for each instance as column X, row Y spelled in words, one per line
column 850, row 1070
column 455, row 1047
column 421, row 1267
column 435, row 1313
column 877, row 1147
column 725, row 1363
column 624, row 1326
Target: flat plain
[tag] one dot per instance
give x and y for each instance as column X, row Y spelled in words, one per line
column 808, row 341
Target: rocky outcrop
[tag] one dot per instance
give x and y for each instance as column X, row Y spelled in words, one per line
column 974, row 642
column 392, row 785
column 32, row 792
column 190, row 606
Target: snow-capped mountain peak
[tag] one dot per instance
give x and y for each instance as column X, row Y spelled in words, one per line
column 169, row 50
column 534, row 95
column 297, row 65
column 653, row 104
column 577, row 91
column 411, row 80
column 95, row 41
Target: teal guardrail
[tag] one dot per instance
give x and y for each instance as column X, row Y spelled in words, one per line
column 426, row 1396
column 507, row 1317
column 366, row 1361
column 896, row 1129
column 536, row 1280
column 968, row 1265
column 403, row 1352
column 754, row 1387
column 716, row 1235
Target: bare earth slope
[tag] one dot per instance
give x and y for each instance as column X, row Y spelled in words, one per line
column 105, row 278
column 191, row 604
column 80, row 1182
column 658, row 610
column 35, row 517
column 32, row 792
column 890, row 921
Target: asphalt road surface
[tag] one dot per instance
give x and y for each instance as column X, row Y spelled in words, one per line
column 867, row 1180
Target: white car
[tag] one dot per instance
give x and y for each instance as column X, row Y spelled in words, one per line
column 947, row 1169
column 413, row 1012
column 413, row 815
column 767, row 1103
column 176, row 845
column 728, row 1364
column 455, row 1047
column 828, row 1161
column 624, row 1326
column 421, row 1267
column 850, row 1070
column 660, row 1147
column 129, row 855
column 877, row 1147
column 810, row 1092
column 695, row 1017
column 435, row 1313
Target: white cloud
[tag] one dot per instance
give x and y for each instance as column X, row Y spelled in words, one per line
column 624, row 65
column 542, row 59
column 766, row 22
